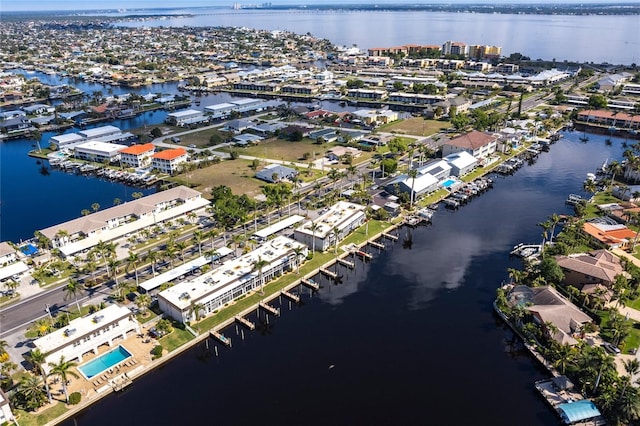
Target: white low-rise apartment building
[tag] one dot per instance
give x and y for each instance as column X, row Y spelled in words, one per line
column 137, row 155
column 337, row 222
column 87, row 334
column 234, row 278
column 99, row 152
column 105, row 225
column 169, row 160
column 10, row 264
column 478, row 144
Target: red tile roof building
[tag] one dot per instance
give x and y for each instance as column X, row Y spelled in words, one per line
column 169, row 160
column 137, row 155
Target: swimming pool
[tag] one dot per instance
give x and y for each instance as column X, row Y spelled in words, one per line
column 447, row 183
column 104, row 362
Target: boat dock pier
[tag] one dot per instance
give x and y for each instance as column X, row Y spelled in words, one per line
column 364, row 254
column 412, row 220
column 329, row 273
column 269, row 309
column 390, row 237
column 377, row 245
column 245, row 322
column 221, row 338
column 311, row 284
column 290, row 296
column 346, row 263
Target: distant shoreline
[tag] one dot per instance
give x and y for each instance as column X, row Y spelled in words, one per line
column 507, row 9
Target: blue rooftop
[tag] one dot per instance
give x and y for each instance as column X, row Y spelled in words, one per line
column 572, row 412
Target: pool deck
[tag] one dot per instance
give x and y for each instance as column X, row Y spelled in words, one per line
column 138, row 347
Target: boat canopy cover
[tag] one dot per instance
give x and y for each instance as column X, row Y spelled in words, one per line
column 572, row 412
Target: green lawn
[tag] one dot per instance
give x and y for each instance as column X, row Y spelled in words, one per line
column 175, row 339
column 43, row 417
column 631, row 341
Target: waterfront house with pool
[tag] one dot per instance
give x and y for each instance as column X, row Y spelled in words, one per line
column 230, row 280
column 83, row 335
column 109, row 224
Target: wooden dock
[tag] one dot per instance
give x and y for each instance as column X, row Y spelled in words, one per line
column 269, row 309
column 329, row 273
column 221, row 338
column 290, row 296
column 390, row 237
column 376, row 245
column 311, row 284
column 121, row 382
column 245, row 322
column 363, row 254
column 346, row 263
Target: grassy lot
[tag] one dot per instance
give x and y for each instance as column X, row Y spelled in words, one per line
column 235, row 174
column 175, row 339
column 200, row 139
column 416, row 126
column 280, row 149
column 41, row 418
column 604, row 197
column 318, row 260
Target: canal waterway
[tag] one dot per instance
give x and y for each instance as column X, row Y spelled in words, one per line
column 409, row 338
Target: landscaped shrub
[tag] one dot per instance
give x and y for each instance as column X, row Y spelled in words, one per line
column 156, row 351
column 75, row 398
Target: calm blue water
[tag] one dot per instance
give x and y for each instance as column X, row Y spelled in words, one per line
column 104, row 362
column 409, row 338
column 597, row 38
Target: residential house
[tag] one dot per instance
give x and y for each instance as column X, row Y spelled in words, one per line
column 339, row 152
column 461, row 163
column 275, row 173
column 597, row 267
column 6, row 415
column 549, row 307
column 478, row 144
column 610, row 236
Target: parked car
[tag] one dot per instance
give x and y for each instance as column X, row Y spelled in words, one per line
column 611, row 348
column 192, row 146
column 175, row 139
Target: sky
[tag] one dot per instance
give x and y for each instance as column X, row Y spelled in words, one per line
column 38, row 5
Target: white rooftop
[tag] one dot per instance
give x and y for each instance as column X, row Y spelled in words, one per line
column 461, row 159
column 184, row 113
column 174, row 273
column 81, row 327
column 99, row 131
column 338, row 216
column 237, row 270
column 67, row 138
column 101, row 147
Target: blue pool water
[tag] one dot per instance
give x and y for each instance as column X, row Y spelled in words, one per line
column 29, row 249
column 104, row 362
column 447, row 183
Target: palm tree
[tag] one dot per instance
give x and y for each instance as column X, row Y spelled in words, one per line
column 564, row 357
column 212, row 234
column 72, row 289
column 143, row 301
column 554, row 219
column 63, row 370
column 31, row 389
column 181, row 246
column 335, row 233
column 132, row 261
column 413, row 174
column 196, row 308
column 615, row 168
column 314, row 227
column 258, row 265
column 152, row 257
column 197, row 239
column 37, row 359
column 298, row 250
column 106, row 250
